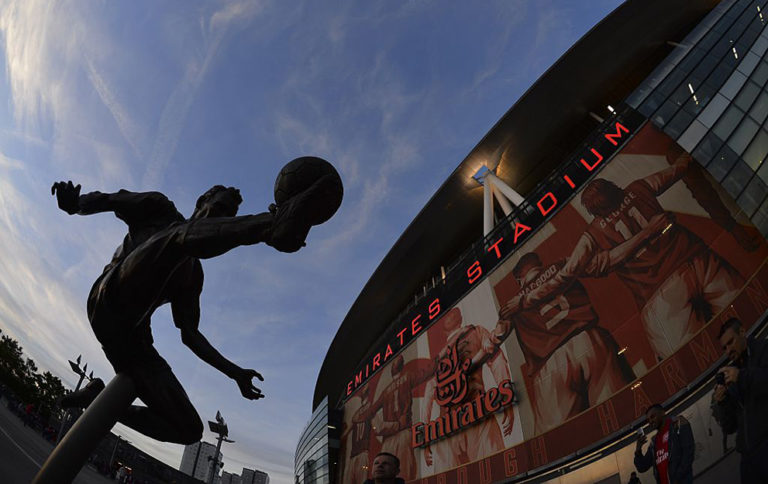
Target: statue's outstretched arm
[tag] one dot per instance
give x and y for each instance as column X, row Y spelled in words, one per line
column 186, row 316
column 123, row 202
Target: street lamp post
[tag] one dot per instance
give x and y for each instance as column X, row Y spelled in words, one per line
column 75, row 365
column 218, row 427
column 114, row 452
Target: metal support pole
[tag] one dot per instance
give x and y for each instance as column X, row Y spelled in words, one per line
column 215, row 459
column 65, row 420
column 66, row 460
column 506, row 207
column 508, row 192
column 114, row 451
column 488, row 221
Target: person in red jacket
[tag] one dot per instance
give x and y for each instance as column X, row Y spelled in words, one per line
column 670, row 453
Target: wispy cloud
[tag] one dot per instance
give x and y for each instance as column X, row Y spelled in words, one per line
column 25, row 26
column 34, row 306
column 130, row 129
column 233, row 15
column 48, row 47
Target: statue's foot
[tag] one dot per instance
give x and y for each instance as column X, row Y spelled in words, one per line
column 293, row 217
column 83, row 397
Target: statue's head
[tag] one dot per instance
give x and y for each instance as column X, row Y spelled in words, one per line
column 218, row 201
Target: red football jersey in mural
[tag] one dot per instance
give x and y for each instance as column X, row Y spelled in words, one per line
column 652, row 264
column 546, row 325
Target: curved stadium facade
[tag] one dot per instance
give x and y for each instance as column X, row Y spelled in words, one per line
column 641, row 230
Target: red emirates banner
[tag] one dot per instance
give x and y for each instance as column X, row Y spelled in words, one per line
column 612, row 305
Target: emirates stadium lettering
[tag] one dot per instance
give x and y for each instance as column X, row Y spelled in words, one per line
column 446, row 295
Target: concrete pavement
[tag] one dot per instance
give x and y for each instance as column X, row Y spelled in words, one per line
column 23, row 451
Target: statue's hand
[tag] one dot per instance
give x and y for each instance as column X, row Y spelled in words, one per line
column 67, row 196
column 244, row 380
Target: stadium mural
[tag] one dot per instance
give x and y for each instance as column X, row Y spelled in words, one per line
column 612, row 305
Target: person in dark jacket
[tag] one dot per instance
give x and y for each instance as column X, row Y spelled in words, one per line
column 670, row 453
column 386, row 467
column 741, row 399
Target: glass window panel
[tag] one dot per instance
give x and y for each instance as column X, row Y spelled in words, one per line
column 713, row 110
column 709, row 40
column 754, row 29
column 760, row 75
column 720, row 27
column 728, row 122
column 733, row 84
column 744, row 20
column 721, row 47
column 719, row 75
column 692, row 135
column 707, row 148
column 759, row 109
column 721, row 164
column 671, row 82
column 651, row 103
column 690, row 61
column 665, row 113
column 638, row 96
column 731, row 15
column 681, row 94
column 760, row 219
column 748, row 94
column 730, row 59
column 660, row 73
column 696, row 103
column 703, row 95
column 753, row 195
column 760, row 45
column 748, row 64
column 762, row 172
column 679, row 123
column 757, row 150
column 737, row 179
column 743, row 135
column 705, row 67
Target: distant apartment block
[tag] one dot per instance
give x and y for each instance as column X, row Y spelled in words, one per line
column 197, row 460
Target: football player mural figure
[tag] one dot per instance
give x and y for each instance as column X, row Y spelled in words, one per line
column 677, row 280
column 159, row 262
column 573, row 363
column 396, row 403
column 357, row 435
column 484, row 438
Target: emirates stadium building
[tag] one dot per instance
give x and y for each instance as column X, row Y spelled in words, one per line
column 573, row 270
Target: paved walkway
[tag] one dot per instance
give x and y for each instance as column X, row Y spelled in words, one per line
column 23, row 451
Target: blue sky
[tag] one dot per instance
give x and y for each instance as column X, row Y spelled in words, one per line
column 177, row 96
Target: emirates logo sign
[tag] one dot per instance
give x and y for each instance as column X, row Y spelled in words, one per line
column 460, row 408
column 451, row 378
